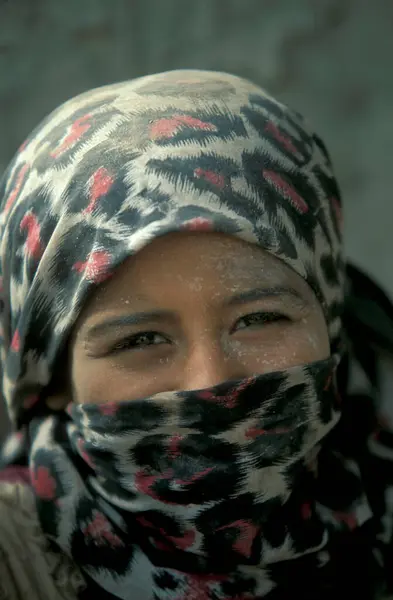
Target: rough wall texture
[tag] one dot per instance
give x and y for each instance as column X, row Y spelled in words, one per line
column 330, row 59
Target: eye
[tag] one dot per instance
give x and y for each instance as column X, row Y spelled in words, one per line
column 139, row 341
column 259, row 319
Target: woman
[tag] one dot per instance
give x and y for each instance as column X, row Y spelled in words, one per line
column 177, row 357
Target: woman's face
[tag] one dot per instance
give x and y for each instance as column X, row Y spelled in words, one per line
column 189, row 311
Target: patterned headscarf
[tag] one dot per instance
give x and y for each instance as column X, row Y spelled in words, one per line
column 115, row 168
column 101, row 177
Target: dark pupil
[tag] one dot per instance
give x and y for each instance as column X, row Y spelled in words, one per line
column 146, row 338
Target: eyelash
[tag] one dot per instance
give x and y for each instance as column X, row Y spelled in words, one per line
column 130, row 342
column 263, row 318
column 260, row 318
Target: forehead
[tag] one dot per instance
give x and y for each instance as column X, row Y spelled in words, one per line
column 217, row 262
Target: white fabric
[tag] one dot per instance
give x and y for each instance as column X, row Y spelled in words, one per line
column 29, row 569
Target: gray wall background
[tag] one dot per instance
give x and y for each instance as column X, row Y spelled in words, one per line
column 330, row 59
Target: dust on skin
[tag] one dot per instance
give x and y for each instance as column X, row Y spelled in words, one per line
column 218, row 308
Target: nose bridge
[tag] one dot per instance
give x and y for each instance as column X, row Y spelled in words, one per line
column 207, row 364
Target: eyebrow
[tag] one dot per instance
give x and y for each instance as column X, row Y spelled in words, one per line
column 139, row 318
column 260, row 293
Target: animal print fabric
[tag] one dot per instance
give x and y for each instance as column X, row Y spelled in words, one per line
column 241, row 491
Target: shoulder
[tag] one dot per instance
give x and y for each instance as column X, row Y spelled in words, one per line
column 28, row 567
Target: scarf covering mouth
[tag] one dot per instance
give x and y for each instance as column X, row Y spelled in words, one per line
column 100, row 178
column 192, row 494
